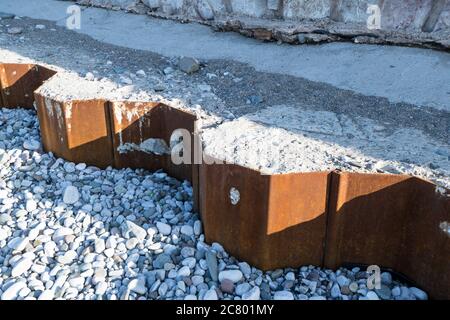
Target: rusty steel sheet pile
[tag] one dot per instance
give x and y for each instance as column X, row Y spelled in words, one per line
column 18, row 82
column 327, row 219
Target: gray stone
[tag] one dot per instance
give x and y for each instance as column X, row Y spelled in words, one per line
column 189, row 65
column 15, row 30
column 384, row 292
column 233, row 275
column 252, row 294
column 283, row 295
column 130, row 229
column 71, row 195
column 211, row 261
column 161, row 260
column 419, row 294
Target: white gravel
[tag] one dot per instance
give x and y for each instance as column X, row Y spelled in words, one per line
column 76, row 232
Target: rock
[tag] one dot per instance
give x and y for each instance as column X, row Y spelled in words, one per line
column 396, row 291
column 419, row 294
column 372, row 296
column 211, row 294
column 14, row 30
column 163, row 228
column 13, row 291
column 22, row 266
column 187, row 230
column 32, row 145
column 71, row 195
column 47, row 295
column 227, row 286
column 130, row 229
column 317, row 298
column 60, row 233
column 283, row 295
column 233, row 275
column 290, row 276
column 335, row 291
column 30, row 205
column 386, row 278
column 211, row 261
column 197, row 227
column 189, row 65
column 353, row 287
column 138, row 285
column 99, row 245
column 343, row 281
column 141, row 73
column 184, row 272
column 252, row 294
column 384, row 292
column 40, row 26
column 161, row 260
column 242, row 288
column 18, row 244
column 204, row 10
column 5, row 218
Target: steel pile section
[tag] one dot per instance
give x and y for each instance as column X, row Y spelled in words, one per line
column 273, row 221
column 77, row 131
column 393, row 221
column 18, row 82
column 135, row 122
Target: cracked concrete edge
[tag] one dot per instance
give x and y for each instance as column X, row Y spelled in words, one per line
column 305, row 31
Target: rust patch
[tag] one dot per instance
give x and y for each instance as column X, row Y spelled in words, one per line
column 77, row 131
column 392, row 221
column 271, row 221
column 18, row 82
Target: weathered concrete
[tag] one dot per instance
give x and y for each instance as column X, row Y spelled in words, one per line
column 423, row 23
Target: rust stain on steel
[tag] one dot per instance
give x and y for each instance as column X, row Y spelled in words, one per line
column 135, row 122
column 18, row 82
column 77, row 131
column 278, row 221
column 392, row 221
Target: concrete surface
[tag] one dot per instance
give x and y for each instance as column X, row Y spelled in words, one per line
column 415, row 76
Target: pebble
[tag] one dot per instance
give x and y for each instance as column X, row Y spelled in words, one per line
column 252, row 294
column 189, row 65
column 138, row 286
column 233, row 275
column 99, row 245
column 283, row 295
column 32, row 145
column 13, row 291
column 187, row 230
column 211, row 261
column 71, row 195
column 163, row 228
column 130, row 229
column 15, row 30
column 419, row 294
column 372, row 296
column 335, row 291
column 22, row 266
column 211, row 294
column 227, row 286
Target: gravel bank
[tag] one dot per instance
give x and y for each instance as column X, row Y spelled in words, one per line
column 75, row 232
